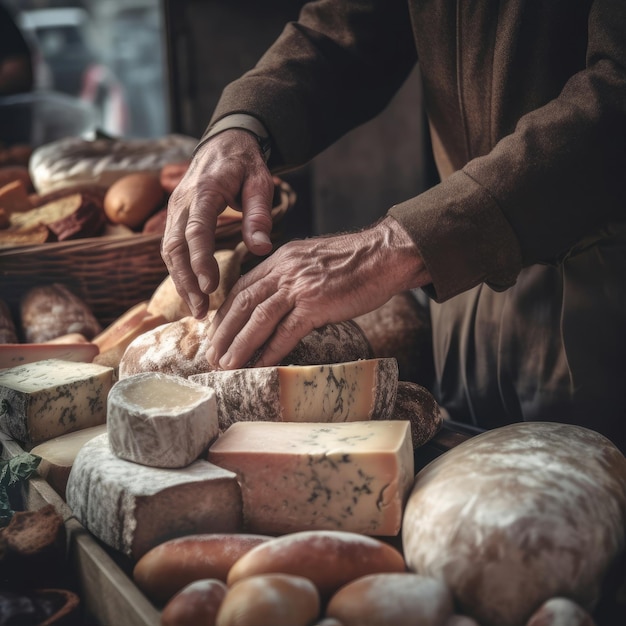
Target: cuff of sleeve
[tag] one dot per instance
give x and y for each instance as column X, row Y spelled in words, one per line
column 241, row 121
column 462, row 236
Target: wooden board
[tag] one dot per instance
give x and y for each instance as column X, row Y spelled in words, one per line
column 108, row 594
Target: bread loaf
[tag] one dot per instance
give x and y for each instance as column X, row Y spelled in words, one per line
column 401, row 599
column 270, row 600
column 49, row 311
column 196, row 604
column 330, row 559
column 173, row 564
column 133, row 198
column 517, row 515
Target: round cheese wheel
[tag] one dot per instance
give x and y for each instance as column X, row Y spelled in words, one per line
column 160, row 420
column 517, row 515
column 400, row 599
column 270, row 600
column 171, row 565
column 196, row 604
column 329, row 558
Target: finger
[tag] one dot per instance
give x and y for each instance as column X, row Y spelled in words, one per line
column 288, row 333
column 240, row 335
column 256, row 200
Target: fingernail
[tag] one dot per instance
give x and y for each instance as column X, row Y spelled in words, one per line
column 259, row 238
column 225, row 361
column 197, row 302
column 210, row 355
column 204, row 282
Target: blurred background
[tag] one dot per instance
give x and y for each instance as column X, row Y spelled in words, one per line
column 146, row 68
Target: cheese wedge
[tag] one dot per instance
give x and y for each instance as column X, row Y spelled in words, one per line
column 336, row 392
column 353, row 476
column 133, row 508
column 46, row 399
column 160, row 420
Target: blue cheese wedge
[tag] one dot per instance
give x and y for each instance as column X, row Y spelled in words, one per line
column 352, row 476
column 160, row 420
column 337, row 392
column 46, row 399
column 133, row 508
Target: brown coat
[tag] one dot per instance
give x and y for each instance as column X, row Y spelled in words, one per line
column 527, row 105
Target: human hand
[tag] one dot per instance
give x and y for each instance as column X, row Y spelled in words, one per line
column 306, row 284
column 227, row 171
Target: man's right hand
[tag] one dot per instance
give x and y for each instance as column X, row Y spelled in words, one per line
column 228, row 170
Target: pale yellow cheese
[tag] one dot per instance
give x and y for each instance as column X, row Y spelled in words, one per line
column 352, row 476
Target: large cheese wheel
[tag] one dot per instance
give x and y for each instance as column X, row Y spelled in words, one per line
column 160, row 420
column 180, row 348
column 133, row 508
column 517, row 515
column 335, row 392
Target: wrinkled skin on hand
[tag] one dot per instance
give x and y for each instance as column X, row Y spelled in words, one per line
column 227, row 171
column 306, row 284
column 303, row 285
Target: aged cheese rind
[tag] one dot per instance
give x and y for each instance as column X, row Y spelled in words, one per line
column 132, row 508
column 46, row 399
column 517, row 515
column 160, row 420
column 339, row 392
column 352, row 476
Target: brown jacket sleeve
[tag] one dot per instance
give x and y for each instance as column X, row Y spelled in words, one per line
column 528, row 104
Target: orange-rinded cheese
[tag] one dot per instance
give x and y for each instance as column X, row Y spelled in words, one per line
column 352, row 476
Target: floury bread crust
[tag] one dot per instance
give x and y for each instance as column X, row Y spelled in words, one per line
column 339, row 392
column 518, row 515
column 180, row 348
column 133, row 508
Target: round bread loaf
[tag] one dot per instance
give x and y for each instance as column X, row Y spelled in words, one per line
column 132, row 199
column 197, row 604
column 517, row 515
column 330, row 559
column 401, row 599
column 270, row 600
column 170, row 566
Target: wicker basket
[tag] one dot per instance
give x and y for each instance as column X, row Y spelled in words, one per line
column 111, row 274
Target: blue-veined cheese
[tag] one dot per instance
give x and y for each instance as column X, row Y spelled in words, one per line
column 351, row 476
column 160, row 420
column 133, row 508
column 336, row 392
column 45, row 399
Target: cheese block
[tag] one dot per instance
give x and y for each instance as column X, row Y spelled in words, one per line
column 45, row 399
column 133, row 508
column 58, row 454
column 517, row 515
column 339, row 392
column 160, row 420
column 180, row 348
column 352, row 476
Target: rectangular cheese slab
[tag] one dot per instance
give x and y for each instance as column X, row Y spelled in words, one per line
column 46, row 399
column 336, row 392
column 351, row 476
column 132, row 507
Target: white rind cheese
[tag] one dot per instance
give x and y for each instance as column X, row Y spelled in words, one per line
column 161, row 420
column 46, row 399
column 132, row 508
column 339, row 392
column 352, row 476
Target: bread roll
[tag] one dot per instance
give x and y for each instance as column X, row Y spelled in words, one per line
column 167, row 568
column 133, row 198
column 49, row 311
column 514, row 516
column 330, row 559
column 270, row 600
column 196, row 604
column 401, row 599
